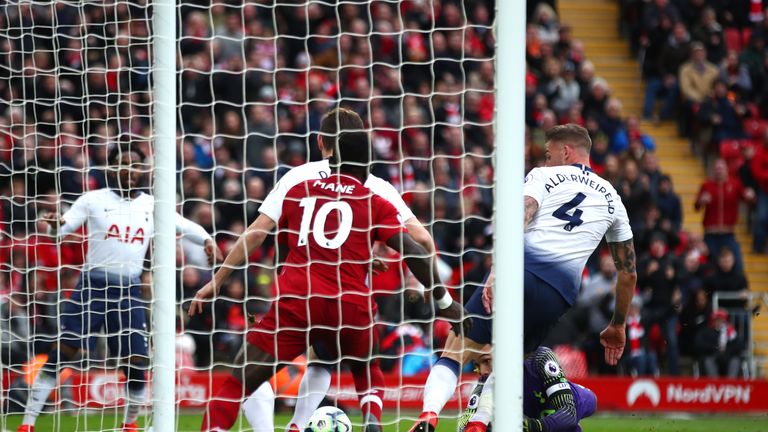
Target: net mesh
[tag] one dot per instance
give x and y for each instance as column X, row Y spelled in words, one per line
column 254, row 80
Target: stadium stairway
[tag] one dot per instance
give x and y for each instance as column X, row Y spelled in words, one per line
column 595, row 23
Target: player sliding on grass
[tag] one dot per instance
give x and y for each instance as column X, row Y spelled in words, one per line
column 120, row 223
column 323, row 298
column 568, row 211
column 550, row 401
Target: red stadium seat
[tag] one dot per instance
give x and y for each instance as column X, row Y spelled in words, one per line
column 746, row 33
column 755, row 127
column 732, row 39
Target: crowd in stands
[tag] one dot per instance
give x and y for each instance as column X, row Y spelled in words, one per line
column 254, row 82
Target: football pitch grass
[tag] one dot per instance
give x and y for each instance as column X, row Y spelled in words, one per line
column 602, row 423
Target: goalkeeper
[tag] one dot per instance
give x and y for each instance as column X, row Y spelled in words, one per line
column 550, row 402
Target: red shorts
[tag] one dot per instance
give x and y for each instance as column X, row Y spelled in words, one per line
column 338, row 328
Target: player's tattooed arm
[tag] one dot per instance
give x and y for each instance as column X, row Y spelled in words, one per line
column 531, row 205
column 613, row 338
column 623, row 254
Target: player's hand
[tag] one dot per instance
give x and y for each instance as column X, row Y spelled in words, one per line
column 613, row 339
column 52, row 219
column 705, row 198
column 201, row 298
column 488, row 298
column 379, row 266
column 212, row 251
column 457, row 316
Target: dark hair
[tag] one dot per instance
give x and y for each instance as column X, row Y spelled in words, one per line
column 337, row 121
column 353, row 152
column 572, row 134
column 122, row 148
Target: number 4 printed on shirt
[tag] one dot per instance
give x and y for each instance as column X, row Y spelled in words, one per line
column 574, row 219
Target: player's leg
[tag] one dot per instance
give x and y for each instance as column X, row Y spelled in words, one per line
column 312, row 390
column 131, row 323
column 542, row 308
column 266, row 343
column 259, row 408
column 358, row 343
column 444, row 376
column 81, row 316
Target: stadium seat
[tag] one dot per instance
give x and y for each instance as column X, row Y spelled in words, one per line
column 746, row 33
column 755, row 127
column 732, row 39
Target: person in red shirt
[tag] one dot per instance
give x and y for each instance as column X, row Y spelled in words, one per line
column 323, row 297
column 759, row 168
column 720, row 196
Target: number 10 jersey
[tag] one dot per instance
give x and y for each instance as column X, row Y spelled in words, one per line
column 329, row 226
column 577, row 208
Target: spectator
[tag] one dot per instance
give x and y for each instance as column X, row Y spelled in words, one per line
column 728, row 280
column 759, row 171
column 657, row 282
column 691, row 275
column 669, row 204
column 642, row 361
column 720, row 347
column 709, row 32
column 693, row 319
column 697, row 78
column 735, row 75
column 660, row 66
column 723, row 114
column 719, row 197
column 634, row 190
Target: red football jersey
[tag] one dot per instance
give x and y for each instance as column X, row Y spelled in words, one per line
column 330, row 226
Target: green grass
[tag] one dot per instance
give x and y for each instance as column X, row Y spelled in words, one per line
column 624, row 423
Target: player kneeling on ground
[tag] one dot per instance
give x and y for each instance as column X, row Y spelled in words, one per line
column 550, row 401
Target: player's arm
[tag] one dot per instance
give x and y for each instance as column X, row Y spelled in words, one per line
column 531, row 205
column 613, row 337
column 252, row 238
column 558, row 392
column 198, row 235
column 73, row 219
column 418, row 261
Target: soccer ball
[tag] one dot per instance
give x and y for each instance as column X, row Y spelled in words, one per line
column 329, row 419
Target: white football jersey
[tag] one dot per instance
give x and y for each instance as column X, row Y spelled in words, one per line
column 273, row 203
column 119, row 230
column 577, row 208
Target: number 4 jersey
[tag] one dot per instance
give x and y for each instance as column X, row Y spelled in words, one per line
column 577, row 208
column 329, row 226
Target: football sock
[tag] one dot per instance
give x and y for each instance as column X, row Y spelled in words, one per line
column 222, row 410
column 312, row 390
column 485, row 405
column 137, row 379
column 259, row 409
column 41, row 388
column 369, row 383
column 441, row 384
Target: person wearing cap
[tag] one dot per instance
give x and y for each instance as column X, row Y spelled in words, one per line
column 720, row 346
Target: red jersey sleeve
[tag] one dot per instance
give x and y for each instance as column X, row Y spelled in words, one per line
column 386, row 222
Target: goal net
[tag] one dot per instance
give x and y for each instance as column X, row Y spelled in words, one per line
column 254, row 80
